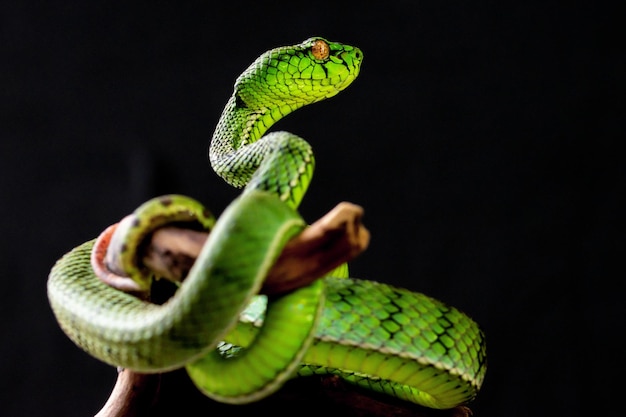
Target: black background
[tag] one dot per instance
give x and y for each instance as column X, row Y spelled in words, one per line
column 480, row 138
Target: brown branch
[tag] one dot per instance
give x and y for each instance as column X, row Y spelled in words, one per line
column 336, row 238
column 173, row 394
column 132, row 395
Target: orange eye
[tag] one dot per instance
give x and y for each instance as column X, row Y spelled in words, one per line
column 320, row 49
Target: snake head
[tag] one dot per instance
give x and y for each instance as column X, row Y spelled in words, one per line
column 290, row 77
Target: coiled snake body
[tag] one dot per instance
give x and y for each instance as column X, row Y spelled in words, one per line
column 378, row 336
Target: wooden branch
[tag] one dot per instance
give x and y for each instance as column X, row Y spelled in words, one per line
column 337, row 237
column 132, row 395
column 173, row 394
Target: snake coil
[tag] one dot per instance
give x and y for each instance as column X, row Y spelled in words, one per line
column 388, row 339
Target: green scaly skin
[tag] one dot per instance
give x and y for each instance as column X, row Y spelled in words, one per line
column 384, row 338
column 278, row 82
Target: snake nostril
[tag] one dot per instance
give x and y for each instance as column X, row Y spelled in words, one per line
column 352, row 56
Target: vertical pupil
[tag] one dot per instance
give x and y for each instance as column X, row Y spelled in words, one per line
column 320, row 49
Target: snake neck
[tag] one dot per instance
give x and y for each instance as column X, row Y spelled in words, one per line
column 240, row 125
column 231, row 152
column 280, row 81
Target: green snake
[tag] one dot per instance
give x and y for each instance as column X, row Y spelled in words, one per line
column 235, row 349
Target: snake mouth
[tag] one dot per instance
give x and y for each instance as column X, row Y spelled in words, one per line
column 340, row 86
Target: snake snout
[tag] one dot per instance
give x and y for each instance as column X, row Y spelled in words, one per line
column 352, row 58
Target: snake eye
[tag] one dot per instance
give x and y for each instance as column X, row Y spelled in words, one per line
column 320, row 49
